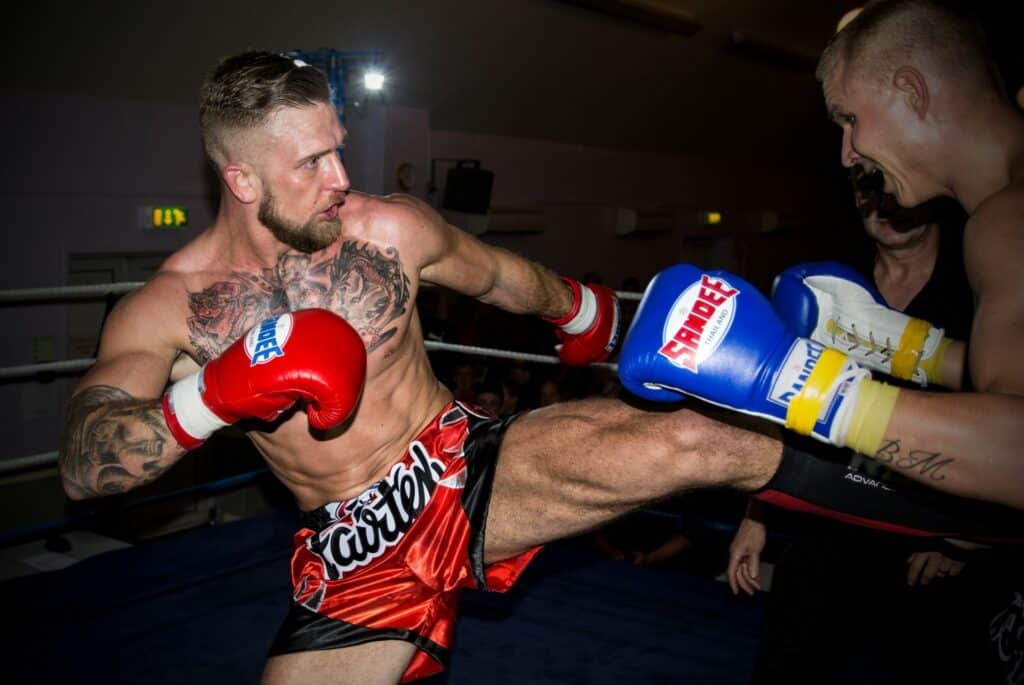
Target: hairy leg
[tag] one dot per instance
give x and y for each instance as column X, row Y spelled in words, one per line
column 374, row 663
column 571, row 467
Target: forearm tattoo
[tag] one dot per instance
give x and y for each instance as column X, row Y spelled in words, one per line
column 361, row 282
column 113, row 442
column 924, row 462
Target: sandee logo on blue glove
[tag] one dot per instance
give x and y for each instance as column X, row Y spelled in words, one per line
column 698, row 322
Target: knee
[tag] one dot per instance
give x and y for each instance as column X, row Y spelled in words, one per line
column 709, row 452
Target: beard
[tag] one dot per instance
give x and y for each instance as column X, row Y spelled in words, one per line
column 310, row 236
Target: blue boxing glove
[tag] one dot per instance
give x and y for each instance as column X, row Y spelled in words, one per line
column 714, row 336
column 836, row 306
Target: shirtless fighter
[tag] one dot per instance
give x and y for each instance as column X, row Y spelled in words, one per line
column 408, row 496
column 920, row 101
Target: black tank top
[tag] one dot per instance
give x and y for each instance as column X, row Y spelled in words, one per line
column 946, row 300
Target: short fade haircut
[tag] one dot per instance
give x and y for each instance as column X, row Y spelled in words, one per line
column 244, row 90
column 888, row 34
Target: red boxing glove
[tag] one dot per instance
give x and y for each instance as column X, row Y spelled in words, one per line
column 312, row 355
column 590, row 331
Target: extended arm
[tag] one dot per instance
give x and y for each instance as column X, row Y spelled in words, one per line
column 457, row 260
column 970, row 444
column 586, row 316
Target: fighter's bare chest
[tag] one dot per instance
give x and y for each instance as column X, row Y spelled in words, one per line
column 363, row 282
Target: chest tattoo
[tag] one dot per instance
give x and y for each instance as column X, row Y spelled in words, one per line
column 361, row 282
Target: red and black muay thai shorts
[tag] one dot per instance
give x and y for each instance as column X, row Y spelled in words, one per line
column 390, row 564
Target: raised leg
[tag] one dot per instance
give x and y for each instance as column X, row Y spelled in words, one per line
column 571, row 467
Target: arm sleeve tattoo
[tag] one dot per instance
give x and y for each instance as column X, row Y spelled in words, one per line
column 113, row 442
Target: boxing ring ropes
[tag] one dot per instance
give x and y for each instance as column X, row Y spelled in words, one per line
column 59, row 294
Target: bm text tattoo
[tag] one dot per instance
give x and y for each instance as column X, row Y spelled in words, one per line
column 926, row 463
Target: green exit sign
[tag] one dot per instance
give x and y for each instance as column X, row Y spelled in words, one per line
column 169, row 217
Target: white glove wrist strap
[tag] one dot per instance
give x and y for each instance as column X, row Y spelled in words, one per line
column 584, row 318
column 186, row 401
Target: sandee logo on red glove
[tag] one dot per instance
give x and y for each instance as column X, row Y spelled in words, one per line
column 266, row 342
column 700, row 318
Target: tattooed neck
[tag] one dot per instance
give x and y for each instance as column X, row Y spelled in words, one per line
column 360, row 281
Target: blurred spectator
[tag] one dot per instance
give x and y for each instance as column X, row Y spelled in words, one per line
column 549, row 393
column 491, row 397
column 433, row 309
column 465, row 377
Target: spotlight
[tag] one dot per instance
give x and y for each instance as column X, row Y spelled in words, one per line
column 373, row 80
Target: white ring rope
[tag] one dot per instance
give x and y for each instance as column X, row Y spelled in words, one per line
column 28, row 370
column 34, row 461
column 67, row 292
column 81, row 292
column 503, row 354
column 87, row 291
column 70, row 365
column 48, row 458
